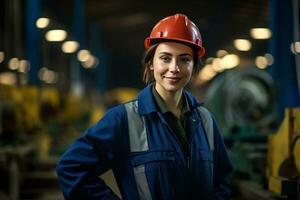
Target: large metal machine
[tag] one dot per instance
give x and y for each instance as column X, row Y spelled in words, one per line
column 244, row 103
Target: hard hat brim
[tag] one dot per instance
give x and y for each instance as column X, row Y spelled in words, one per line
column 151, row 41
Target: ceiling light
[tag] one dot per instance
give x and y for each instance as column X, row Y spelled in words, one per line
column 56, row 35
column 217, row 65
column 206, row 74
column 230, row 61
column 42, row 22
column 23, row 66
column 260, row 33
column 70, row 46
column 221, row 53
column 13, row 64
column 295, row 47
column 261, row 62
column 41, row 72
column 242, row 44
column 91, row 62
column 50, row 77
column 8, row 78
column 83, row 55
column 209, row 60
column 270, row 59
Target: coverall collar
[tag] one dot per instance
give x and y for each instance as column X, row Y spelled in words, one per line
column 146, row 101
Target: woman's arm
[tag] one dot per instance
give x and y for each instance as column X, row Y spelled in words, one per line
column 88, row 157
column 222, row 167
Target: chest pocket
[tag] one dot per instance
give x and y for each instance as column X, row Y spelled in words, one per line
column 152, row 163
column 151, row 157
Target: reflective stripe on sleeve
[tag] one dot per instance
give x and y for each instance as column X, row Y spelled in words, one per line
column 138, row 142
column 137, row 130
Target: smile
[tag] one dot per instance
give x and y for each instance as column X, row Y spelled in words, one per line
column 172, row 79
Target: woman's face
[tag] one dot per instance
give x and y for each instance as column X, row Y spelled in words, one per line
column 172, row 66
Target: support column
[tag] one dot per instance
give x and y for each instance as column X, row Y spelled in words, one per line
column 33, row 39
column 76, row 70
column 284, row 68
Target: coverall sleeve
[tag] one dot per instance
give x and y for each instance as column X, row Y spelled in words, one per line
column 88, row 157
column 222, row 167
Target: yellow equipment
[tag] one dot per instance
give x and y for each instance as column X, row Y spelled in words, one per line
column 120, row 95
column 51, row 95
column 283, row 168
column 30, row 108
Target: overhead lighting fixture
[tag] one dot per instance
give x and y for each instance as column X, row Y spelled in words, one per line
column 270, row 59
column 70, row 46
column 206, row 74
column 260, row 33
column 295, row 47
column 56, row 35
column 13, row 64
column 221, row 53
column 42, row 22
column 48, row 76
column 92, row 62
column 242, row 44
column 41, row 72
column 230, row 61
column 24, row 66
column 261, row 62
column 217, row 65
column 83, row 55
column 209, row 60
column 8, row 78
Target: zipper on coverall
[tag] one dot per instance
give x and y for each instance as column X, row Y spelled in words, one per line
column 186, row 154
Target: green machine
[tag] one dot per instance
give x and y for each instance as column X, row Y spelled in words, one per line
column 244, row 104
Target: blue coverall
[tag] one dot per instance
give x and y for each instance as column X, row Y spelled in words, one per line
column 150, row 165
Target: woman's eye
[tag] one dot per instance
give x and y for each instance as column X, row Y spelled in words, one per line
column 186, row 59
column 165, row 59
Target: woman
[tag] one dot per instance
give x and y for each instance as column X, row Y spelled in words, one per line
column 158, row 146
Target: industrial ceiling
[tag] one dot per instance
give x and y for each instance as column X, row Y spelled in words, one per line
column 122, row 25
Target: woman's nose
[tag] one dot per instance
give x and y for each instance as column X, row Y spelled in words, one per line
column 174, row 66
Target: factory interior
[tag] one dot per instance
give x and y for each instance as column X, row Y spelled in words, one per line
column 64, row 63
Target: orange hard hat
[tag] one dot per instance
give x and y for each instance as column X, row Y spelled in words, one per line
column 179, row 28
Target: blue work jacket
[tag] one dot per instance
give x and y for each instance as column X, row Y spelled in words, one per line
column 148, row 165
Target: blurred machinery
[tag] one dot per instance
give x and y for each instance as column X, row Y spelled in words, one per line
column 283, row 170
column 20, row 124
column 36, row 126
column 267, row 166
column 31, row 123
column 243, row 102
column 120, row 95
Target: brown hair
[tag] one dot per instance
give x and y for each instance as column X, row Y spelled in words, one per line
column 147, row 61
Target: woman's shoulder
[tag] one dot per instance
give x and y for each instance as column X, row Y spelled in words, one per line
column 116, row 111
column 113, row 117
